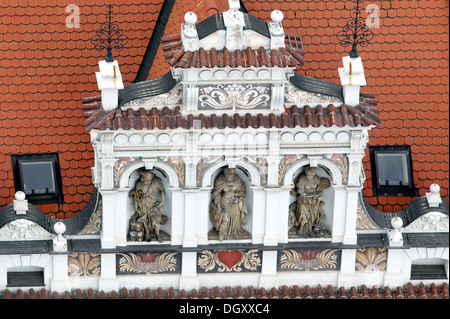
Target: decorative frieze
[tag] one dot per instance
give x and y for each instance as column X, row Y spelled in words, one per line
column 84, row 264
column 226, row 261
column 309, row 259
column 23, row 229
column 371, row 259
column 148, row 263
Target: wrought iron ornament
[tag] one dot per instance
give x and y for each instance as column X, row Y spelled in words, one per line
column 109, row 37
column 355, row 32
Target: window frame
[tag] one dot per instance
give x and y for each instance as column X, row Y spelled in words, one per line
column 391, row 190
column 53, row 197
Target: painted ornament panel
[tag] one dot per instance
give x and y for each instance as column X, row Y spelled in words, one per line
column 224, row 261
column 148, row 263
column 308, row 260
column 84, row 264
column 371, row 259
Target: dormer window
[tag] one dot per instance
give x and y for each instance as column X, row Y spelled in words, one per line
column 392, row 171
column 38, row 176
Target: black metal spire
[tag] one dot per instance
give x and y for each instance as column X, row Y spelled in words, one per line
column 109, row 37
column 355, row 32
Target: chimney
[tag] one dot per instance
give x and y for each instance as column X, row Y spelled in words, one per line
column 109, row 81
column 352, row 78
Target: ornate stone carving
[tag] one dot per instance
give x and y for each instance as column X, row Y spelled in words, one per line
column 23, row 229
column 148, row 198
column 306, row 213
column 297, row 96
column 234, row 97
column 430, row 222
column 228, row 210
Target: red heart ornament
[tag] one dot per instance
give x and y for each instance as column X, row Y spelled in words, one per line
column 230, row 258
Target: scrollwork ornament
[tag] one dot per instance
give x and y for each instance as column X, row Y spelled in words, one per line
column 109, row 37
column 355, row 33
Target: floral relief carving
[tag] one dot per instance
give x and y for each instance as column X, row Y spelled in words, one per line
column 234, row 96
column 84, row 264
column 230, row 261
column 371, row 259
column 309, row 259
column 147, row 263
column 297, row 96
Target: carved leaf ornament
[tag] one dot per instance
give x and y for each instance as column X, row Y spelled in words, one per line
column 229, row 261
column 147, row 263
column 234, row 96
column 309, row 260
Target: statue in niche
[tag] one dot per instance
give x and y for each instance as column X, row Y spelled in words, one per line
column 306, row 214
column 228, row 210
column 148, row 196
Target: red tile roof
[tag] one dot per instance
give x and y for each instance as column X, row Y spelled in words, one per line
column 45, row 69
column 364, row 114
column 406, row 65
column 177, row 57
column 408, row 291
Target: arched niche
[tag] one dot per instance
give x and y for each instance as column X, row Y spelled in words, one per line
column 325, row 169
column 160, row 172
column 247, row 175
column 171, row 175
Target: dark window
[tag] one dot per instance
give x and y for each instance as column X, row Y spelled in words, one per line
column 25, row 278
column 39, row 177
column 428, row 272
column 392, row 171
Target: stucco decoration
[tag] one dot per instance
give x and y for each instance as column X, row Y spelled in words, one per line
column 430, row 222
column 84, row 264
column 228, row 211
column 173, row 97
column 148, row 263
column 229, row 261
column 297, row 96
column 23, row 229
column 234, row 97
column 371, row 259
column 148, row 198
column 306, row 214
column 306, row 260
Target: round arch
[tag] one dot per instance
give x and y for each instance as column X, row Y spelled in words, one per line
column 332, row 169
column 172, row 177
column 252, row 171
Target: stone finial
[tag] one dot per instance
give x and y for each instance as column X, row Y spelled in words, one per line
column 352, row 78
column 434, row 197
column 109, row 81
column 276, row 30
column 189, row 34
column 20, row 203
column 394, row 235
column 59, row 241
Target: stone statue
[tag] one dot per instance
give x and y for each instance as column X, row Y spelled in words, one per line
column 228, row 210
column 306, row 213
column 148, row 198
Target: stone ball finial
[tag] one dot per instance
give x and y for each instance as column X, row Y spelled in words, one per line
column 435, row 189
column 190, row 18
column 277, row 16
column 396, row 222
column 59, row 228
column 20, row 195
